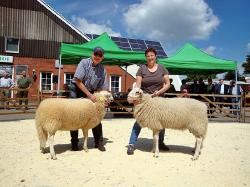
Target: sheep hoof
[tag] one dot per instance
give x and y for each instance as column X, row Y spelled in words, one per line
column 53, row 158
column 155, row 155
column 194, row 158
column 86, row 150
column 43, row 150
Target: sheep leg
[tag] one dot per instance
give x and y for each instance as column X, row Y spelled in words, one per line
column 42, row 147
column 85, row 140
column 51, row 146
column 197, row 148
column 156, row 143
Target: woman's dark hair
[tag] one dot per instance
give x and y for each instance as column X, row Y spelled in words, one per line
column 151, row 49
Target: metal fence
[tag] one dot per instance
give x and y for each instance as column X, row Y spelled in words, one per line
column 230, row 107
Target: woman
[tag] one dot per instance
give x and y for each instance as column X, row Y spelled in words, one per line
column 153, row 79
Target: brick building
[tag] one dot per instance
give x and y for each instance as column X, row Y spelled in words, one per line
column 30, row 37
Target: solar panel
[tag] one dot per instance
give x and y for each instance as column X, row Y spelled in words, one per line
column 131, row 44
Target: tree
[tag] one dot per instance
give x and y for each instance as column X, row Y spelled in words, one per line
column 246, row 65
column 231, row 76
column 191, row 77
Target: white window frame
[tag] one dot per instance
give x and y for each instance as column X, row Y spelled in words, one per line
column 110, row 81
column 65, row 77
column 51, row 82
column 10, row 51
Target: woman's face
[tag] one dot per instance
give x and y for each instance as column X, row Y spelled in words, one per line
column 151, row 58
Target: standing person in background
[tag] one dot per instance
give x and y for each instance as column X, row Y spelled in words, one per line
column 89, row 77
column 24, row 83
column 194, row 88
column 171, row 89
column 235, row 91
column 202, row 87
column 210, row 90
column 221, row 89
column 6, row 84
column 184, row 85
column 153, row 79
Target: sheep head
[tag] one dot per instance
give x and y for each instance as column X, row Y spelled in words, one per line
column 104, row 96
column 135, row 96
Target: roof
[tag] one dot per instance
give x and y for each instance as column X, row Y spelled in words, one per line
column 131, row 44
column 190, row 59
column 63, row 19
column 73, row 53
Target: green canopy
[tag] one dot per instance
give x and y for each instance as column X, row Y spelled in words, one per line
column 73, row 53
column 190, row 60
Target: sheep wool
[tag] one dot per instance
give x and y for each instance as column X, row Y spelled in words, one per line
column 175, row 113
column 69, row 114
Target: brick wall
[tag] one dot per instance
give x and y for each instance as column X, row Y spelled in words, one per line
column 48, row 65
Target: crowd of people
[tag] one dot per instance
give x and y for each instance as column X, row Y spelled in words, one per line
column 7, row 87
column 220, row 88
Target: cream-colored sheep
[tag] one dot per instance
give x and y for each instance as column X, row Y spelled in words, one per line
column 69, row 114
column 175, row 113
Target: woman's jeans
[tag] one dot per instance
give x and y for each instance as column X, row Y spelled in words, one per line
column 136, row 131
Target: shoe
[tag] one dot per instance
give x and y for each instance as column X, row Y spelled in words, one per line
column 100, row 146
column 74, row 147
column 131, row 149
column 163, row 147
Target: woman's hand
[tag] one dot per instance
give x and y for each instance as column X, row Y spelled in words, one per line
column 155, row 94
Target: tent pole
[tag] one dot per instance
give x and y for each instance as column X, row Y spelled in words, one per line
column 59, row 76
column 126, row 78
column 236, row 78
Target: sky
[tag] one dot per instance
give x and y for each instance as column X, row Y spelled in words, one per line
column 219, row 27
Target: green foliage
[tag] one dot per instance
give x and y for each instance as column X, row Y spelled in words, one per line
column 246, row 65
column 192, row 77
column 231, row 76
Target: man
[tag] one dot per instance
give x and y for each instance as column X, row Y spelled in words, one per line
column 24, row 83
column 89, row 77
column 235, row 91
column 210, row 90
column 5, row 85
column 221, row 89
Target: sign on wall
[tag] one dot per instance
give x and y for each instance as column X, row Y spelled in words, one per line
column 6, row 68
column 8, row 59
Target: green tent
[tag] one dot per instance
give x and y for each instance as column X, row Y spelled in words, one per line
column 190, row 60
column 73, row 53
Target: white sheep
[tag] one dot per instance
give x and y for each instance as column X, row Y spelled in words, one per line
column 69, row 114
column 174, row 113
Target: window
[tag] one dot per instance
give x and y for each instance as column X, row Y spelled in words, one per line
column 46, row 81
column 21, row 68
column 11, row 45
column 68, row 78
column 115, row 83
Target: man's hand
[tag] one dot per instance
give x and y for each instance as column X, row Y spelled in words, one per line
column 92, row 98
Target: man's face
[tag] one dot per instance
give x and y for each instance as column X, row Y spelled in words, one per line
column 97, row 59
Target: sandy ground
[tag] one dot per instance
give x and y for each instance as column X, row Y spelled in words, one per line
column 223, row 162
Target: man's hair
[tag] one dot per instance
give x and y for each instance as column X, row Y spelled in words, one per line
column 98, row 51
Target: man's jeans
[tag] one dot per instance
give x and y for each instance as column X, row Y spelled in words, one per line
column 136, row 131
column 236, row 100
